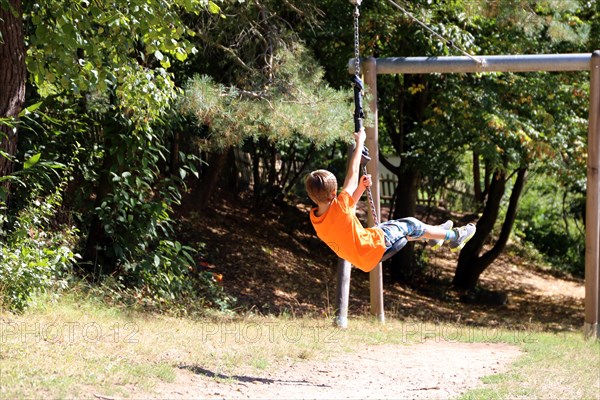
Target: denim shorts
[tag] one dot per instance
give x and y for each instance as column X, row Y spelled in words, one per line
column 396, row 229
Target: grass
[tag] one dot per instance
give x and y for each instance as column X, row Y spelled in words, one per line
column 555, row 366
column 80, row 347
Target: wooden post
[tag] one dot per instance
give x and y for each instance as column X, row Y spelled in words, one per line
column 372, row 143
column 592, row 226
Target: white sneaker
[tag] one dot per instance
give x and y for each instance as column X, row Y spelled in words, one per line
column 464, row 233
column 436, row 244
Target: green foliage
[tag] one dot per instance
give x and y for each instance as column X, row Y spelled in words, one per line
column 37, row 252
column 296, row 102
column 102, row 69
column 592, row 14
column 34, row 167
column 211, row 293
column 258, row 88
column 35, row 256
column 551, row 218
column 166, row 276
column 552, row 21
column 121, row 47
column 135, row 214
column 281, row 124
column 166, row 280
column 135, row 210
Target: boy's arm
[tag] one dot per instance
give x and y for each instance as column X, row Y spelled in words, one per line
column 351, row 180
column 365, row 182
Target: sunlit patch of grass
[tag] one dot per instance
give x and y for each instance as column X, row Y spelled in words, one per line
column 555, row 366
column 64, row 348
column 79, row 345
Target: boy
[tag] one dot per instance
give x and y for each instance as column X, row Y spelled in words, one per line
column 336, row 224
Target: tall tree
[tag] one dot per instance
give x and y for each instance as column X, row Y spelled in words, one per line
column 12, row 79
column 524, row 121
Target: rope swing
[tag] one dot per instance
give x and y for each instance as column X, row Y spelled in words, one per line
column 359, row 114
column 359, row 87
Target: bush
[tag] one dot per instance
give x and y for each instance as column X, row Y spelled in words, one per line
column 34, row 258
column 549, row 218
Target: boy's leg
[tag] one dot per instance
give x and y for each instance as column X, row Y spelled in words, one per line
column 437, row 243
column 410, row 228
column 435, row 232
column 413, row 229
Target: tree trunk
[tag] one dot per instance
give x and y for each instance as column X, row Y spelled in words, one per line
column 477, row 178
column 403, row 264
column 96, row 259
column 487, row 180
column 219, row 171
column 298, row 167
column 174, row 161
column 207, row 186
column 470, row 264
column 256, row 175
column 12, row 78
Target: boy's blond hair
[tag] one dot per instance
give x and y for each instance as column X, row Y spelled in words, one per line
column 320, row 184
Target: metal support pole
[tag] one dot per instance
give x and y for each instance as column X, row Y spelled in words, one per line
column 369, row 68
column 501, row 63
column 592, row 226
column 344, row 269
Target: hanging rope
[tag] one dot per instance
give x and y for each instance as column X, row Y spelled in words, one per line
column 359, row 114
column 358, row 85
column 448, row 43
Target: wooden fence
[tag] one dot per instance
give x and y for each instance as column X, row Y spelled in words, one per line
column 387, row 185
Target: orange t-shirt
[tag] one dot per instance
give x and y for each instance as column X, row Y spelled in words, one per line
column 344, row 234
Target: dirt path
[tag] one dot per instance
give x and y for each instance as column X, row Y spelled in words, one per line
column 430, row 370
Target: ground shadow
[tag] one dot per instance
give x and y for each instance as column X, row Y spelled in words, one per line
column 244, row 378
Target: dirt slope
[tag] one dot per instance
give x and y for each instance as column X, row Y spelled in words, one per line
column 273, row 263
